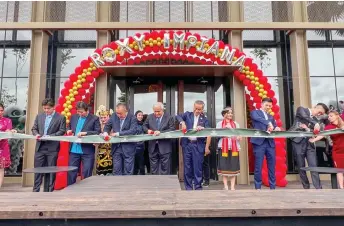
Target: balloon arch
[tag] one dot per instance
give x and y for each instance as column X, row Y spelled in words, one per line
column 168, row 46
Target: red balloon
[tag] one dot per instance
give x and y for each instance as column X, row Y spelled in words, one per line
column 78, row 70
column 258, row 105
column 73, row 77
column 85, row 64
column 267, row 86
column 257, row 99
column 85, row 85
column 279, row 122
column 263, row 80
column 68, row 84
column 274, row 100
column 281, row 167
column 251, row 87
column 58, row 108
column 275, row 108
column 64, row 92
column 277, row 116
column 61, row 100
column 282, row 183
column 237, row 73
column 77, row 98
column 89, row 79
column 271, row 93
column 81, row 92
column 73, row 111
column 246, row 82
column 254, row 93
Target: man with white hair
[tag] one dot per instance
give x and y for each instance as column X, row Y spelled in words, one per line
column 159, row 150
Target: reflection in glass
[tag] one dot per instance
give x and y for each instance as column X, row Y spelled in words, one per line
column 320, row 62
column 338, row 56
column 340, row 92
column 17, row 62
column 192, row 93
column 219, row 103
column 144, row 98
column 265, row 58
column 323, row 90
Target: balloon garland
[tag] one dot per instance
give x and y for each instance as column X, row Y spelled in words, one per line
column 165, row 47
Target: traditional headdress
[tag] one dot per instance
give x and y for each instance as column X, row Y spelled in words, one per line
column 103, row 112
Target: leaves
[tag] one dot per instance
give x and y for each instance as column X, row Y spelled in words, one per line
column 65, row 57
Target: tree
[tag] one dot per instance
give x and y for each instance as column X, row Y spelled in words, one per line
column 6, row 98
column 326, row 11
column 263, row 55
column 65, row 57
column 122, row 98
column 21, row 56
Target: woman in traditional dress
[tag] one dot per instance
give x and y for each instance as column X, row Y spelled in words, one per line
column 5, row 155
column 336, row 122
column 228, row 150
column 139, row 166
column 104, row 159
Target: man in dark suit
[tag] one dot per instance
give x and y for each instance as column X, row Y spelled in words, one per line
column 159, row 150
column 305, row 120
column 49, row 123
column 82, row 124
column 194, row 148
column 262, row 120
column 123, row 154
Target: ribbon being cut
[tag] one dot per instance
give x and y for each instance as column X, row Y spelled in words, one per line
column 222, row 132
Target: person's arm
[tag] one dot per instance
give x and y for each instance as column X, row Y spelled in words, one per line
column 208, row 141
column 181, row 117
column 256, row 117
column 304, row 113
column 62, row 127
column 312, row 140
column 145, row 126
column 96, row 129
column 171, row 125
column 34, row 128
column 108, row 126
column 132, row 130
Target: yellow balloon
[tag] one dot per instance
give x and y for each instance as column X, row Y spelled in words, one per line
column 243, row 71
column 71, row 90
column 256, row 78
column 94, row 68
column 89, row 69
column 71, row 95
column 68, row 102
column 158, row 39
column 260, row 94
column 234, row 58
column 79, row 76
column 63, row 113
column 67, row 121
column 252, row 77
column 116, row 51
column 220, row 50
column 252, row 73
column 66, row 110
column 74, row 83
column 134, row 42
column 108, row 54
column 264, row 96
column 247, row 76
column 67, row 97
column 130, row 45
column 158, row 44
column 69, row 114
column 151, row 44
column 150, row 39
column 143, row 46
column 83, row 75
column 70, row 107
column 75, row 93
column 257, row 88
column 65, row 105
column 252, row 82
column 256, row 83
column 88, row 73
column 79, row 86
column 247, row 72
column 247, row 68
column 136, row 47
column 265, row 92
column 261, row 86
column 272, row 113
column 261, row 90
column 72, row 99
column 83, row 80
column 75, row 88
column 155, row 42
column 147, row 43
column 85, row 70
column 91, row 64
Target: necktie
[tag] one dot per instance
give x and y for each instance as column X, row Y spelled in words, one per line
column 158, row 123
column 121, row 124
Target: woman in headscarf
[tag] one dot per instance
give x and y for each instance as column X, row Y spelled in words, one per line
column 139, row 166
column 228, row 150
column 336, row 122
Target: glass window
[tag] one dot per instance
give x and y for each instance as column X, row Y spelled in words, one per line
column 266, row 59
column 323, row 90
column 219, row 103
column 338, row 56
column 340, row 92
column 17, row 62
column 315, row 35
column 320, row 62
column 192, row 93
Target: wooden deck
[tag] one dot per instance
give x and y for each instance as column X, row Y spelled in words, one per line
column 158, row 200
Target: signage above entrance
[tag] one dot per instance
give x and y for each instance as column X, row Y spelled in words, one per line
column 168, row 47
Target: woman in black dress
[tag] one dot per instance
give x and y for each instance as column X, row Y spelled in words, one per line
column 228, row 150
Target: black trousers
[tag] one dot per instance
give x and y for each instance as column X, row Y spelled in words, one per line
column 160, row 163
column 44, row 157
column 139, row 166
column 206, row 168
column 87, row 161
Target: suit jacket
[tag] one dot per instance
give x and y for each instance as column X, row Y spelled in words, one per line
column 57, row 127
column 188, row 118
column 91, row 127
column 303, row 115
column 259, row 122
column 166, row 125
column 129, row 127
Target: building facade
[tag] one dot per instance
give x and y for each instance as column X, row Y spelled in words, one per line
column 302, row 66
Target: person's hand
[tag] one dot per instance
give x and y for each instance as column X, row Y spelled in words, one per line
column 38, row 136
column 303, row 126
column 228, row 126
column 317, row 127
column 12, row 131
column 105, row 134
column 156, row 133
column 81, row 134
column 69, row 133
column 239, row 138
column 277, row 129
column 150, row 131
column 183, row 126
column 199, row 128
column 312, row 140
column 114, row 134
column 207, row 151
column 342, row 128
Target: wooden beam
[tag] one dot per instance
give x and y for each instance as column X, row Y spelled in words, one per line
column 171, row 26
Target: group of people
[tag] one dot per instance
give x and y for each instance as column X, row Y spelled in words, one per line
column 127, row 158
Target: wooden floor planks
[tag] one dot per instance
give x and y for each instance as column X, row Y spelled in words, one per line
column 158, row 197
